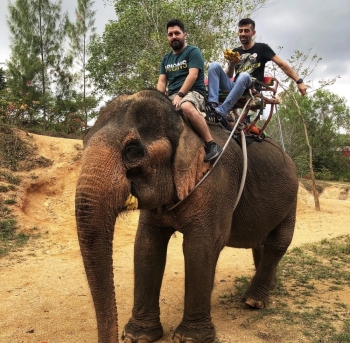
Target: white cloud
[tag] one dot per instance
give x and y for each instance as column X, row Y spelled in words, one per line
column 321, row 26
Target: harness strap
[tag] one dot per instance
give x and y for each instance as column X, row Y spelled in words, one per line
column 241, row 117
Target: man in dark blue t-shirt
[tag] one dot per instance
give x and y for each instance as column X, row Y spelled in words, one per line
column 253, row 57
column 182, row 72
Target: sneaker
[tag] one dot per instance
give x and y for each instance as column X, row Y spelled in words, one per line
column 213, row 104
column 226, row 124
column 228, row 118
column 211, row 114
column 212, row 150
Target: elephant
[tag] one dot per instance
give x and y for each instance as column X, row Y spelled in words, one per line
column 140, row 144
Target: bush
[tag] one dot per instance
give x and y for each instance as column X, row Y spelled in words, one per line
column 7, row 229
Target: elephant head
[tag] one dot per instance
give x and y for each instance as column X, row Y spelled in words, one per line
column 139, row 145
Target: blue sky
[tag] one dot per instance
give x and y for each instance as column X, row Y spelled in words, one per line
column 319, row 25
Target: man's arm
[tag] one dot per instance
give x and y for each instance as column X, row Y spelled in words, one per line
column 230, row 70
column 190, row 80
column 162, row 82
column 289, row 71
column 187, row 85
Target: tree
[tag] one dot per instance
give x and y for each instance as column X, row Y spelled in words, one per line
column 37, row 32
column 128, row 54
column 327, row 118
column 23, row 97
column 2, row 79
column 81, row 33
column 3, row 95
column 304, row 65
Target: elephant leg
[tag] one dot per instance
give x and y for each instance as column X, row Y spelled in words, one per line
column 266, row 258
column 149, row 262
column 257, row 253
column 257, row 256
column 201, row 254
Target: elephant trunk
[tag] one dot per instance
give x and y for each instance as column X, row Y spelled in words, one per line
column 101, row 192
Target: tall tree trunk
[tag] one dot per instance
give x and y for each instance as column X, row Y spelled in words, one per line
column 42, row 66
column 314, row 190
column 84, row 81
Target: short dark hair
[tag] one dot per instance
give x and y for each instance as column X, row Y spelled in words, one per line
column 247, row 21
column 175, row 22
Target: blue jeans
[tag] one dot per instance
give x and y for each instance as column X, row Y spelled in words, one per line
column 218, row 80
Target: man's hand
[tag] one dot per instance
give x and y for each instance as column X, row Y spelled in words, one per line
column 232, row 56
column 288, row 70
column 176, row 102
column 302, row 88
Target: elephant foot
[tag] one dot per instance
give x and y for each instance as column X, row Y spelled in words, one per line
column 195, row 335
column 134, row 333
column 256, row 296
column 254, row 303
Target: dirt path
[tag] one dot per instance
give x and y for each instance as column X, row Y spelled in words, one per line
column 44, row 294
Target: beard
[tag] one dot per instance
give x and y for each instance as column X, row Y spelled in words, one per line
column 177, row 45
column 244, row 40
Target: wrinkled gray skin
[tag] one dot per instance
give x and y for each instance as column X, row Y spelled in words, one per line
column 139, row 144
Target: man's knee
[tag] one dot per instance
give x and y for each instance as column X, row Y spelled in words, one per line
column 245, row 78
column 189, row 109
column 214, row 66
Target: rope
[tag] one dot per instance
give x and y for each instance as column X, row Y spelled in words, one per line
column 245, row 165
column 280, row 129
column 217, row 160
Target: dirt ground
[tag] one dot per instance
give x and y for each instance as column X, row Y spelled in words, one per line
column 44, row 294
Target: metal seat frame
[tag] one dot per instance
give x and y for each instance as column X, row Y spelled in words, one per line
column 253, row 100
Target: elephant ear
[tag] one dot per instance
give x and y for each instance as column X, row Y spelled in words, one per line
column 189, row 166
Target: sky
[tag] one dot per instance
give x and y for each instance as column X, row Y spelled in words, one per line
column 319, row 25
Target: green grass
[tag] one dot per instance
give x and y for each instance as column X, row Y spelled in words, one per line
column 10, row 201
column 343, row 336
column 305, row 299
column 16, row 154
column 4, row 189
column 10, row 238
column 9, row 177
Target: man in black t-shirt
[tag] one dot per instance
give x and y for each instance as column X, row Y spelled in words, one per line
column 252, row 62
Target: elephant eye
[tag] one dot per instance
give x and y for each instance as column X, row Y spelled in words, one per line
column 133, row 152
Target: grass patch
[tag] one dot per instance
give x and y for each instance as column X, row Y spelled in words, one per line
column 343, row 336
column 4, row 189
column 10, row 238
column 305, row 274
column 16, row 154
column 10, row 201
column 7, row 229
column 9, row 177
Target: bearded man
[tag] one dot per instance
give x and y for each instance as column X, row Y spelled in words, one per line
column 182, row 77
